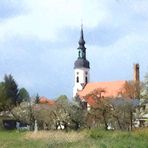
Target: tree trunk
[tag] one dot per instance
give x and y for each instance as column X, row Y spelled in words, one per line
column 131, row 120
column 105, row 122
column 118, row 122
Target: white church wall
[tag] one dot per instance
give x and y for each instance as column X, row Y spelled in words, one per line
column 80, row 79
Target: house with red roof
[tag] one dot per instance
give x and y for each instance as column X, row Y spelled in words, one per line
column 44, row 100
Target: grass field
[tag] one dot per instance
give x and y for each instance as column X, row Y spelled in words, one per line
column 87, row 139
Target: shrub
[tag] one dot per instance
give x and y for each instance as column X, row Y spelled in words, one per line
column 98, row 133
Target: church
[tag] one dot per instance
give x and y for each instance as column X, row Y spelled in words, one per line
column 82, row 84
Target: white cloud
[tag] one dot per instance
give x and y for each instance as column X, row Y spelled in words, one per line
column 45, row 18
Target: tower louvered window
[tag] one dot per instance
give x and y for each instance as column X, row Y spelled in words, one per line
column 77, row 79
column 86, row 80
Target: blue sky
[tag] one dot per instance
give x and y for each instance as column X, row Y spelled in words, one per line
column 38, row 41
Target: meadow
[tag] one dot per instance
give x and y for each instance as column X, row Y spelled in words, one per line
column 94, row 138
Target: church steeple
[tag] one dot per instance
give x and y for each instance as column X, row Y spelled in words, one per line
column 81, row 62
column 81, row 66
column 81, row 48
column 81, row 41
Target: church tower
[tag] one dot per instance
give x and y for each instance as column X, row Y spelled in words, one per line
column 81, row 67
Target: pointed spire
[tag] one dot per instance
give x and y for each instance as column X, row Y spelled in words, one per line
column 81, row 41
column 81, row 62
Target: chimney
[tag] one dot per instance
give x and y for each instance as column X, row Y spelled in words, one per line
column 136, row 73
column 137, row 81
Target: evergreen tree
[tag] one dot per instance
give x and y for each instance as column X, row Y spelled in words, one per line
column 11, row 90
column 3, row 99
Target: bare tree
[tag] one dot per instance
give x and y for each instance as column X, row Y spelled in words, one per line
column 122, row 112
column 132, row 90
column 100, row 109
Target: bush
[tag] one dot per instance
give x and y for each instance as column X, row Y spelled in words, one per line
column 98, row 133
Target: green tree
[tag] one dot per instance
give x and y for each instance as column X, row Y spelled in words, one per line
column 77, row 116
column 11, row 90
column 3, row 100
column 8, row 93
column 63, row 99
column 23, row 95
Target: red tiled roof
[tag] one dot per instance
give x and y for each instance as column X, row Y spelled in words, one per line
column 109, row 89
column 44, row 100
